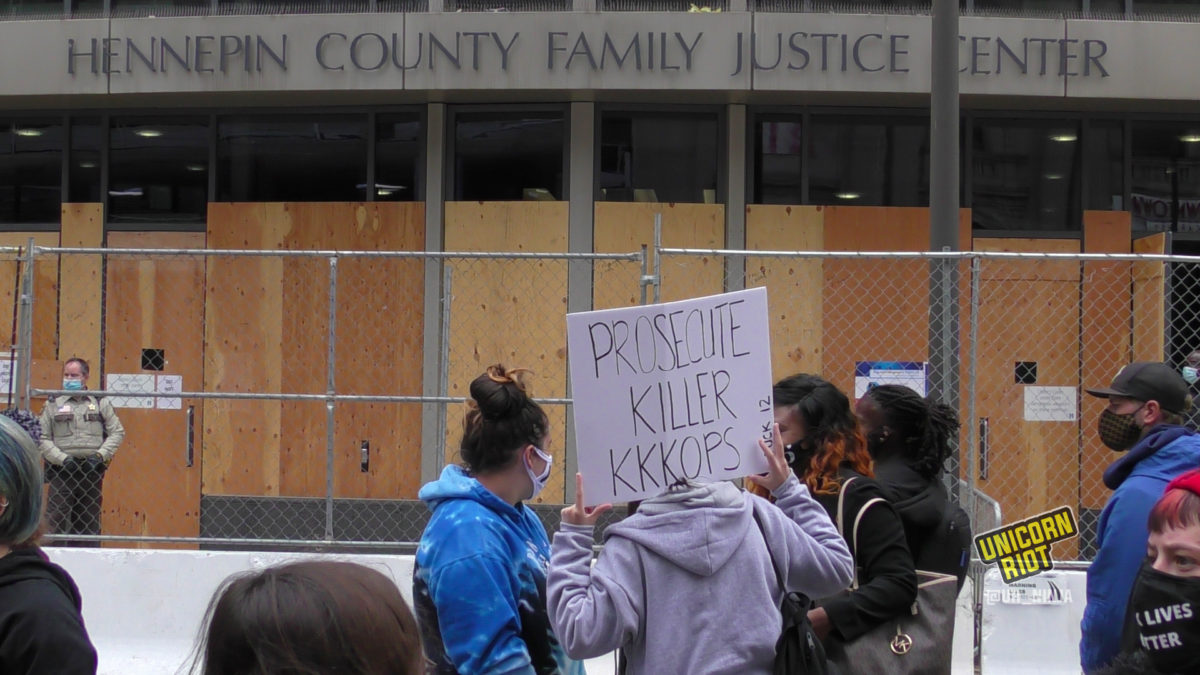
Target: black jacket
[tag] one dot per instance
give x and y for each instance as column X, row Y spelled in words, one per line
column 887, row 579
column 41, row 629
column 937, row 531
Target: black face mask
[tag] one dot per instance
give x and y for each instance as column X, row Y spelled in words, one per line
column 797, row 454
column 1119, row 432
column 1165, row 620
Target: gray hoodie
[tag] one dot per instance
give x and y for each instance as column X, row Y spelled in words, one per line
column 685, row 585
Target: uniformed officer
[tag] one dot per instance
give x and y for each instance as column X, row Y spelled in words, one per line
column 80, row 435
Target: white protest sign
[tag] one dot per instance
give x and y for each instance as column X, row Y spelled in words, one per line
column 670, row 391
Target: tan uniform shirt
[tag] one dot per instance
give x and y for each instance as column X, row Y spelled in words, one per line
column 79, row 426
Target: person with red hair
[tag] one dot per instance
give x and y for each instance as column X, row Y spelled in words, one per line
column 1162, row 624
column 824, row 445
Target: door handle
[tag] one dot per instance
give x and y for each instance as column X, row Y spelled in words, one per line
column 364, row 457
column 191, row 435
column 983, row 448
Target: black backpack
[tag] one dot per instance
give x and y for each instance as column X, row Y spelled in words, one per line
column 947, row 547
column 798, row 651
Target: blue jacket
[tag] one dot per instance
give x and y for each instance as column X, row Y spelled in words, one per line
column 1138, row 479
column 479, row 584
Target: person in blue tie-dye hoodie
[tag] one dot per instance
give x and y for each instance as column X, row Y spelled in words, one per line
column 479, row 585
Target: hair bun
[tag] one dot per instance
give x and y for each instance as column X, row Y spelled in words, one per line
column 500, row 393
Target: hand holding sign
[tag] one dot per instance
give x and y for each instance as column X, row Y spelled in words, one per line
column 777, row 466
column 577, row 513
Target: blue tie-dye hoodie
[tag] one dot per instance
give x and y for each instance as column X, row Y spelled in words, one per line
column 480, row 584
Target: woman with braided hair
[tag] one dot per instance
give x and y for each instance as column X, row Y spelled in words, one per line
column 910, row 437
column 479, row 583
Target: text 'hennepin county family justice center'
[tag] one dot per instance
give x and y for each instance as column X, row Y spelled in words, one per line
column 566, row 127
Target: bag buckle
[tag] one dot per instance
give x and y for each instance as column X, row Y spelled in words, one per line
column 901, row 644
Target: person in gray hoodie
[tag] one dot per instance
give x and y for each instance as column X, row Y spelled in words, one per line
column 686, row 584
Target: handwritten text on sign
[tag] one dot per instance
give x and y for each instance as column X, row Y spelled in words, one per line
column 670, row 391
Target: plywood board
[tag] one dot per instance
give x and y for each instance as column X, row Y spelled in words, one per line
column 509, row 311
column 45, row 290
column 794, row 285
column 82, row 286
column 863, row 296
column 1105, row 339
column 1149, row 301
column 243, row 336
column 623, row 227
column 156, row 302
column 285, row 348
column 1029, row 311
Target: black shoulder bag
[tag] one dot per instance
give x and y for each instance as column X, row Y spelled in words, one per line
column 798, row 651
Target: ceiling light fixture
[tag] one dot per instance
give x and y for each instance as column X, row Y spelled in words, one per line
column 148, row 133
column 1064, row 137
column 195, row 167
column 847, row 195
column 1190, row 138
column 29, row 133
column 1054, row 176
column 87, row 164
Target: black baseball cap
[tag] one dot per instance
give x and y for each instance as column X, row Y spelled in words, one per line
column 1149, row 381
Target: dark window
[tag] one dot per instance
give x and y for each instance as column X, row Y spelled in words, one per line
column 124, row 8
column 31, row 171
column 158, row 170
column 778, row 154
column 1165, row 194
column 1028, row 7
column 84, row 9
column 284, row 158
column 397, row 151
column 659, row 157
column 504, row 157
column 868, row 161
column 1104, row 165
column 86, row 139
column 32, row 8
column 1025, row 175
column 1108, row 9
column 1150, row 8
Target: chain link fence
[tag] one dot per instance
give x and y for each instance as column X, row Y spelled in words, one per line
column 301, row 398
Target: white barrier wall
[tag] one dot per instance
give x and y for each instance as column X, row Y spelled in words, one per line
column 1032, row 626
column 143, row 608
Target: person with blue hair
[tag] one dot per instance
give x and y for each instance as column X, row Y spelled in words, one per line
column 41, row 628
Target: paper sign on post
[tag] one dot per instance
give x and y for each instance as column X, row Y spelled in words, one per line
column 670, row 391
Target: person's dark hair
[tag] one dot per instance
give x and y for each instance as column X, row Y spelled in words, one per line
column 20, row 484
column 501, row 418
column 310, row 618
column 831, row 430
column 924, row 427
column 83, row 365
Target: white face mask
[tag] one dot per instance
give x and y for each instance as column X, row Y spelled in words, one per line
column 1190, row 374
column 539, row 482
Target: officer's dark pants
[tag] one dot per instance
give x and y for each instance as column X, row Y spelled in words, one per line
column 75, row 500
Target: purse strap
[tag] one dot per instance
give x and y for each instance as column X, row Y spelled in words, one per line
column 841, row 516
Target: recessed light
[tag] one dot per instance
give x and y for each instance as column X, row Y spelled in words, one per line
column 29, row 133
column 1190, row 138
column 87, row 164
column 1064, row 137
column 1054, row 176
column 131, row 192
column 148, row 133
column 384, row 193
column 847, row 195
column 195, row 167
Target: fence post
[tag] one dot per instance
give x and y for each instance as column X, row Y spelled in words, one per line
column 25, row 330
column 443, row 357
column 943, row 344
column 330, row 402
column 972, row 363
column 657, row 279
